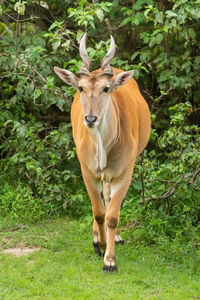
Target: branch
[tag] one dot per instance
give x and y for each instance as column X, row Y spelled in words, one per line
column 45, row 188
column 31, row 68
column 34, row 80
column 42, row 16
column 142, row 176
column 54, row 118
column 167, row 194
column 9, row 143
column 5, row 20
column 166, row 45
column 172, row 189
column 156, row 100
column 196, row 175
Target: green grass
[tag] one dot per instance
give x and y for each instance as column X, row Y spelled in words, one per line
column 67, row 268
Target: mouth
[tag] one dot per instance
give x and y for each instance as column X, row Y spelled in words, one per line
column 91, row 124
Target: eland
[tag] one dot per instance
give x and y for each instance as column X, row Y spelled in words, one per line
column 111, row 127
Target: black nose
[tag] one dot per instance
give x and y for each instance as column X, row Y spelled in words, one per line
column 90, row 119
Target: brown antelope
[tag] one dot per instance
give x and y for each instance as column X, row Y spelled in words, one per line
column 111, row 126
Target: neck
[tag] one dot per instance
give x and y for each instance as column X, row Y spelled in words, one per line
column 104, row 135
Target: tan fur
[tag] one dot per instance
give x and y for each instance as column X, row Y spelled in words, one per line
column 124, row 134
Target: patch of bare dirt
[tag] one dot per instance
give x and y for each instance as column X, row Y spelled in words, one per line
column 21, row 251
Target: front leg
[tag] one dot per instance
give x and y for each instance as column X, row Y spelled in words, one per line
column 94, row 188
column 119, row 188
column 106, row 195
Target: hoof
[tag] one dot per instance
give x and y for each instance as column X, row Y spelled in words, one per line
column 110, row 269
column 97, row 249
column 109, row 265
column 119, row 242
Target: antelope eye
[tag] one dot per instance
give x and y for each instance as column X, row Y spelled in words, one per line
column 80, row 88
column 106, row 89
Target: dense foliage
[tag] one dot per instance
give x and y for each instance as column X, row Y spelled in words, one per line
column 160, row 41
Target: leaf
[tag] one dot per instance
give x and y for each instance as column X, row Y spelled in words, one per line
column 56, row 44
column 145, row 56
column 187, row 66
column 159, row 38
column 164, row 75
column 137, row 185
column 174, row 22
column 161, row 142
column 135, row 55
column 159, row 18
column 192, row 33
column 30, row 89
column 37, row 93
column 139, row 4
column 136, row 74
column 152, row 41
column 171, row 14
column 56, row 24
column 178, row 3
column 126, row 21
column 13, row 100
column 21, row 131
column 19, row 7
column 100, row 14
column 66, row 44
column 197, row 62
column 61, row 104
column 138, row 18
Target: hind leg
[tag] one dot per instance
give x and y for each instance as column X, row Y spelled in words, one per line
column 96, row 239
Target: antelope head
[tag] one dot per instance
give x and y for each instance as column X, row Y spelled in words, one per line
column 95, row 87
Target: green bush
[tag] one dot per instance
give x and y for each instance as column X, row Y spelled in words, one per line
column 18, row 202
column 171, row 184
column 160, row 42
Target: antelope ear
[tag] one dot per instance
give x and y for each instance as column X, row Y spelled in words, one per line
column 67, row 76
column 122, row 78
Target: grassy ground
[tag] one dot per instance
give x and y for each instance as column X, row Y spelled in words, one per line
column 66, row 268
